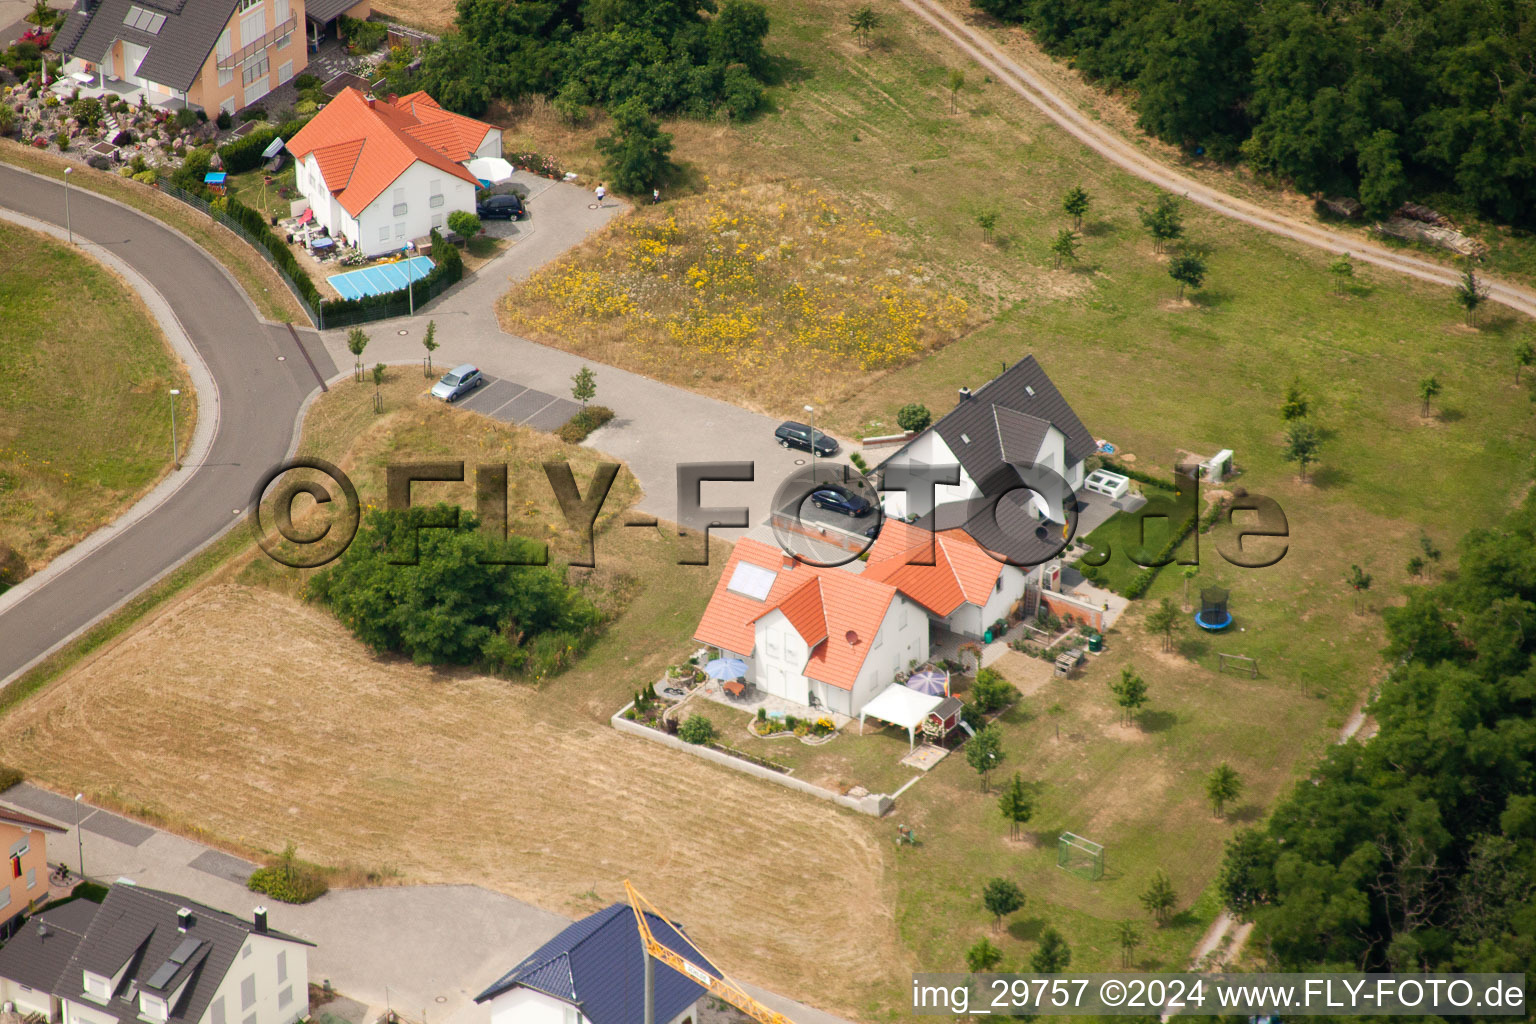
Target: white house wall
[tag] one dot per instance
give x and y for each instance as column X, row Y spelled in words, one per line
column 258, row 958
column 927, row 449
column 28, row 1000
column 781, row 657
column 420, row 215
column 525, row 1006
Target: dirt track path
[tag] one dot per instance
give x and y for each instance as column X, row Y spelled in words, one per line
column 1112, row 147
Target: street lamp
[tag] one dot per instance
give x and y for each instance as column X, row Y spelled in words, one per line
column 175, row 457
column 812, row 410
column 79, row 836
column 67, row 226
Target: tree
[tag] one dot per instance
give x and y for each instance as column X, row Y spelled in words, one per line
column 429, row 342
column 1471, row 293
column 1187, row 268
column 983, row 956
column 1295, row 406
column 1416, row 566
column 986, row 220
column 1342, row 268
column 1189, row 573
column 864, row 21
column 1359, row 581
column 1053, row 956
column 1065, row 246
column 1167, row 620
column 584, row 385
column 638, row 152
column 913, row 418
column 1383, row 183
column 1525, row 355
column 1129, row 937
column 357, row 340
column 1130, row 692
column 1159, row 899
column 1222, row 786
column 1426, row 545
column 457, row 72
column 1017, row 805
column 1164, row 222
column 956, row 82
column 1302, row 445
column 464, row 224
column 1001, row 898
column 1076, row 203
column 991, row 691
column 426, row 582
column 1429, row 387
column 984, row 752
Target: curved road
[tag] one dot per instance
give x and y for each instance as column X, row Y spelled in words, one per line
column 262, row 381
column 1122, row 154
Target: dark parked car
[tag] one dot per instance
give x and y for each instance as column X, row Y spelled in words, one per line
column 798, row 435
column 504, row 207
column 840, row 499
column 457, row 383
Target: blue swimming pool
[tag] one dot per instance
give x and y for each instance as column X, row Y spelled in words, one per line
column 381, row 278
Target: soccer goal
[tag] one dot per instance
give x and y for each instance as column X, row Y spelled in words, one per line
column 1082, row 857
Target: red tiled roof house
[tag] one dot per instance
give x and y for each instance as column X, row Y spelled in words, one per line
column 807, row 632
column 380, row 172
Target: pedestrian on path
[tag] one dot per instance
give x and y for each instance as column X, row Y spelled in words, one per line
column 655, row 195
column 602, row 193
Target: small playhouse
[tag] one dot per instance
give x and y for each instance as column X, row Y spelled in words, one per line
column 1213, row 614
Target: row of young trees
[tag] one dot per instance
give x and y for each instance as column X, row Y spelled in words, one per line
column 1416, row 850
column 1366, row 99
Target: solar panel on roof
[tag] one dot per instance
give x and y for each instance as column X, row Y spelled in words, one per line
column 163, row 975
column 185, row 950
column 752, row 581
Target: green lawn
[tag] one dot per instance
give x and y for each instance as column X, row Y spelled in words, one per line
column 1110, row 536
column 85, row 380
column 253, row 191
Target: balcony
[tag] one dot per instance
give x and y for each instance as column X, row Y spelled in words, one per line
column 250, row 49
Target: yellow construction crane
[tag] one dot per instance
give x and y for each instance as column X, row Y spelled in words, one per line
column 721, row 987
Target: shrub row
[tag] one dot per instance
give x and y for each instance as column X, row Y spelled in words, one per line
column 10, row 777
column 576, row 429
column 244, row 154
column 449, row 270
column 1142, row 581
column 257, row 227
column 1135, row 474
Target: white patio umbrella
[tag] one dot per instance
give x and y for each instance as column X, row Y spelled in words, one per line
column 490, row 168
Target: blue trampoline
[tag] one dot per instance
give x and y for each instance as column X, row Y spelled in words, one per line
column 1213, row 614
column 381, row 278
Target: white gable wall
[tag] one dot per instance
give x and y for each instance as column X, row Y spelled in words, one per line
column 381, row 229
column 279, row 1000
column 927, row 449
column 781, row 656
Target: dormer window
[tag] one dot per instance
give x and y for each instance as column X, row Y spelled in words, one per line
column 97, row 988
column 152, row 1008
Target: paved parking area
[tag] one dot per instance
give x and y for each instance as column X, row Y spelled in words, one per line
column 511, row 402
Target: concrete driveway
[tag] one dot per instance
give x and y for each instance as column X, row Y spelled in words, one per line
column 424, row 950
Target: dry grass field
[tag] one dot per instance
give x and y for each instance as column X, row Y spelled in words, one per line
column 72, row 458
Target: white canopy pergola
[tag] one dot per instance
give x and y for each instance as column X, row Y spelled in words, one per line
column 901, row 706
column 490, row 168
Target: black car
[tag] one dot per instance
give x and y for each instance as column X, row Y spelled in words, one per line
column 798, row 435
column 839, row 499
column 505, row 206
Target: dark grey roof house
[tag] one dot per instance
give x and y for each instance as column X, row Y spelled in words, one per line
column 1014, row 432
column 146, row 955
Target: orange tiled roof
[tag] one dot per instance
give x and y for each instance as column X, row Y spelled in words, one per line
column 387, row 140
column 823, row 605
column 962, row 571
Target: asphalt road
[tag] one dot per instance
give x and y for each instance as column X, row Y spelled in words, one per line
column 258, row 401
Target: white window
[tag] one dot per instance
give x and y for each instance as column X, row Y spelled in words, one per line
column 285, row 997
column 400, row 229
column 572, row 1016
column 31, row 878
column 252, row 27
column 280, row 11
column 246, row 5
column 283, row 41
column 255, row 91
column 226, row 106
column 227, row 75
column 245, row 951
column 97, row 987
column 399, row 197
column 216, row 1012
column 282, row 965
column 5, row 895
column 437, row 221
column 151, row 1007
column 284, row 73
column 223, row 49
column 383, row 232
column 257, row 67
column 248, row 993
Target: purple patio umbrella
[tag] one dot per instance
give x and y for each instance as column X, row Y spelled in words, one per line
column 930, row 681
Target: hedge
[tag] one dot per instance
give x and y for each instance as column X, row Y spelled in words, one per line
column 244, row 154
column 257, row 227
column 448, row 271
column 1142, row 581
column 1135, row 474
column 576, row 429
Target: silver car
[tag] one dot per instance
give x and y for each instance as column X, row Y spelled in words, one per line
column 458, row 382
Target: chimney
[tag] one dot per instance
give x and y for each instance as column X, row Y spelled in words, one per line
column 965, row 393
column 183, row 919
column 260, row 919
column 369, row 98
column 789, row 561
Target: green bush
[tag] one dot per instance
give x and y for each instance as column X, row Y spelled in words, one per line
column 10, row 777
column 697, row 729
column 87, row 112
column 991, row 692
column 307, row 81
column 464, row 598
column 363, row 36
column 223, row 121
column 289, row 879
column 244, row 154
column 464, row 224
column 576, row 429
